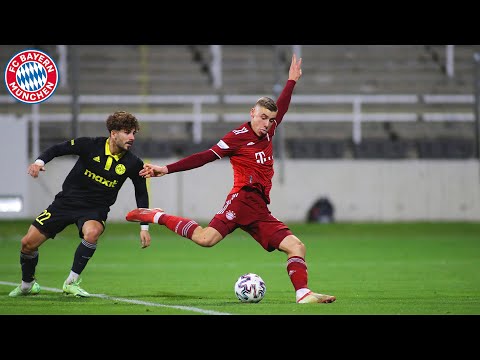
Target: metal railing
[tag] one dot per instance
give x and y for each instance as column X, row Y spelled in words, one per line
column 437, row 109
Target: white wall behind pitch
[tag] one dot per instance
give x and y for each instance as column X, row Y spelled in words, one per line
column 361, row 190
column 14, row 163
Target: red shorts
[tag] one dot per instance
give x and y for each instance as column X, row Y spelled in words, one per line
column 248, row 211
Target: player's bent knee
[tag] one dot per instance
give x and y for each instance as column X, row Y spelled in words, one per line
column 91, row 237
column 30, row 243
column 206, row 237
column 293, row 246
column 205, row 241
column 28, row 248
column 92, row 234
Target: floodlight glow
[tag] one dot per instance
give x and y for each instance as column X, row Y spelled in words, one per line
column 11, row 203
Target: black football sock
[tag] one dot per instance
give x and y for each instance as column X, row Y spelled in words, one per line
column 84, row 252
column 28, row 264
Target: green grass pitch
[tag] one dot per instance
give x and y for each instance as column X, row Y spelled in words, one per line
column 372, row 269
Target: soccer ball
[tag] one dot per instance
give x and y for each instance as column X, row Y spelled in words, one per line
column 250, row 288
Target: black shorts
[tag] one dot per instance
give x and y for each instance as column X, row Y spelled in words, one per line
column 60, row 214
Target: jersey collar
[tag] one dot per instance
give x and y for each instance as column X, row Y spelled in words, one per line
column 108, row 153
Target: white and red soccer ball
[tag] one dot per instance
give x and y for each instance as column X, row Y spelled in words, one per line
column 250, row 288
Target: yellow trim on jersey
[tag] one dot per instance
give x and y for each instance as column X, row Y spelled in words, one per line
column 108, row 164
column 109, row 154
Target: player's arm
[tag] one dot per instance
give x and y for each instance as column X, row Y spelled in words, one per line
column 295, row 71
column 294, row 74
column 35, row 168
column 70, row 147
column 141, row 198
column 190, row 162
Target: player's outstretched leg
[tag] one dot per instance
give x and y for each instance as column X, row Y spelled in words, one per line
column 145, row 215
column 181, row 226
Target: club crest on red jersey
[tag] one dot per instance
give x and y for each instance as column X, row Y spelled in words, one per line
column 31, row 76
column 230, row 215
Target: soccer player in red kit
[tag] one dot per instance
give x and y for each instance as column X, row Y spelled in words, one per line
column 250, row 149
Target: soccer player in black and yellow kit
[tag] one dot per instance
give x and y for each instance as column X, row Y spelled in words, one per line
column 91, row 187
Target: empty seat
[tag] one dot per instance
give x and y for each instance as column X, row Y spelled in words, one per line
column 446, row 148
column 316, row 148
column 380, row 149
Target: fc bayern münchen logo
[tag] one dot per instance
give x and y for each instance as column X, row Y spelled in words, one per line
column 31, row 76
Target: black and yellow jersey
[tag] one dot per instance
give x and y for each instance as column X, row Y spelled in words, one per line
column 97, row 176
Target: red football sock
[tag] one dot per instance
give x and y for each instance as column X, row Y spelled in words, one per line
column 297, row 271
column 181, row 226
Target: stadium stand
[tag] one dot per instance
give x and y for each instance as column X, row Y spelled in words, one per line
column 252, row 70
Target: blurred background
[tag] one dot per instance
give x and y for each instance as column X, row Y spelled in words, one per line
column 383, row 132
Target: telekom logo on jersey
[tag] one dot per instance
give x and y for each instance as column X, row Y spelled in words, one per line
column 261, row 158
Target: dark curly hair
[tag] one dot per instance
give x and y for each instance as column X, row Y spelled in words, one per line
column 122, row 120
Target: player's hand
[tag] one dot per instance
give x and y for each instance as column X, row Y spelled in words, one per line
column 150, row 170
column 34, row 170
column 145, row 238
column 295, row 71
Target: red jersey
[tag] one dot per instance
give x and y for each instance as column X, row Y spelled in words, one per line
column 251, row 156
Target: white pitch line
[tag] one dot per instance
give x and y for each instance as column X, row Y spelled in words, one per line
column 136, row 302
